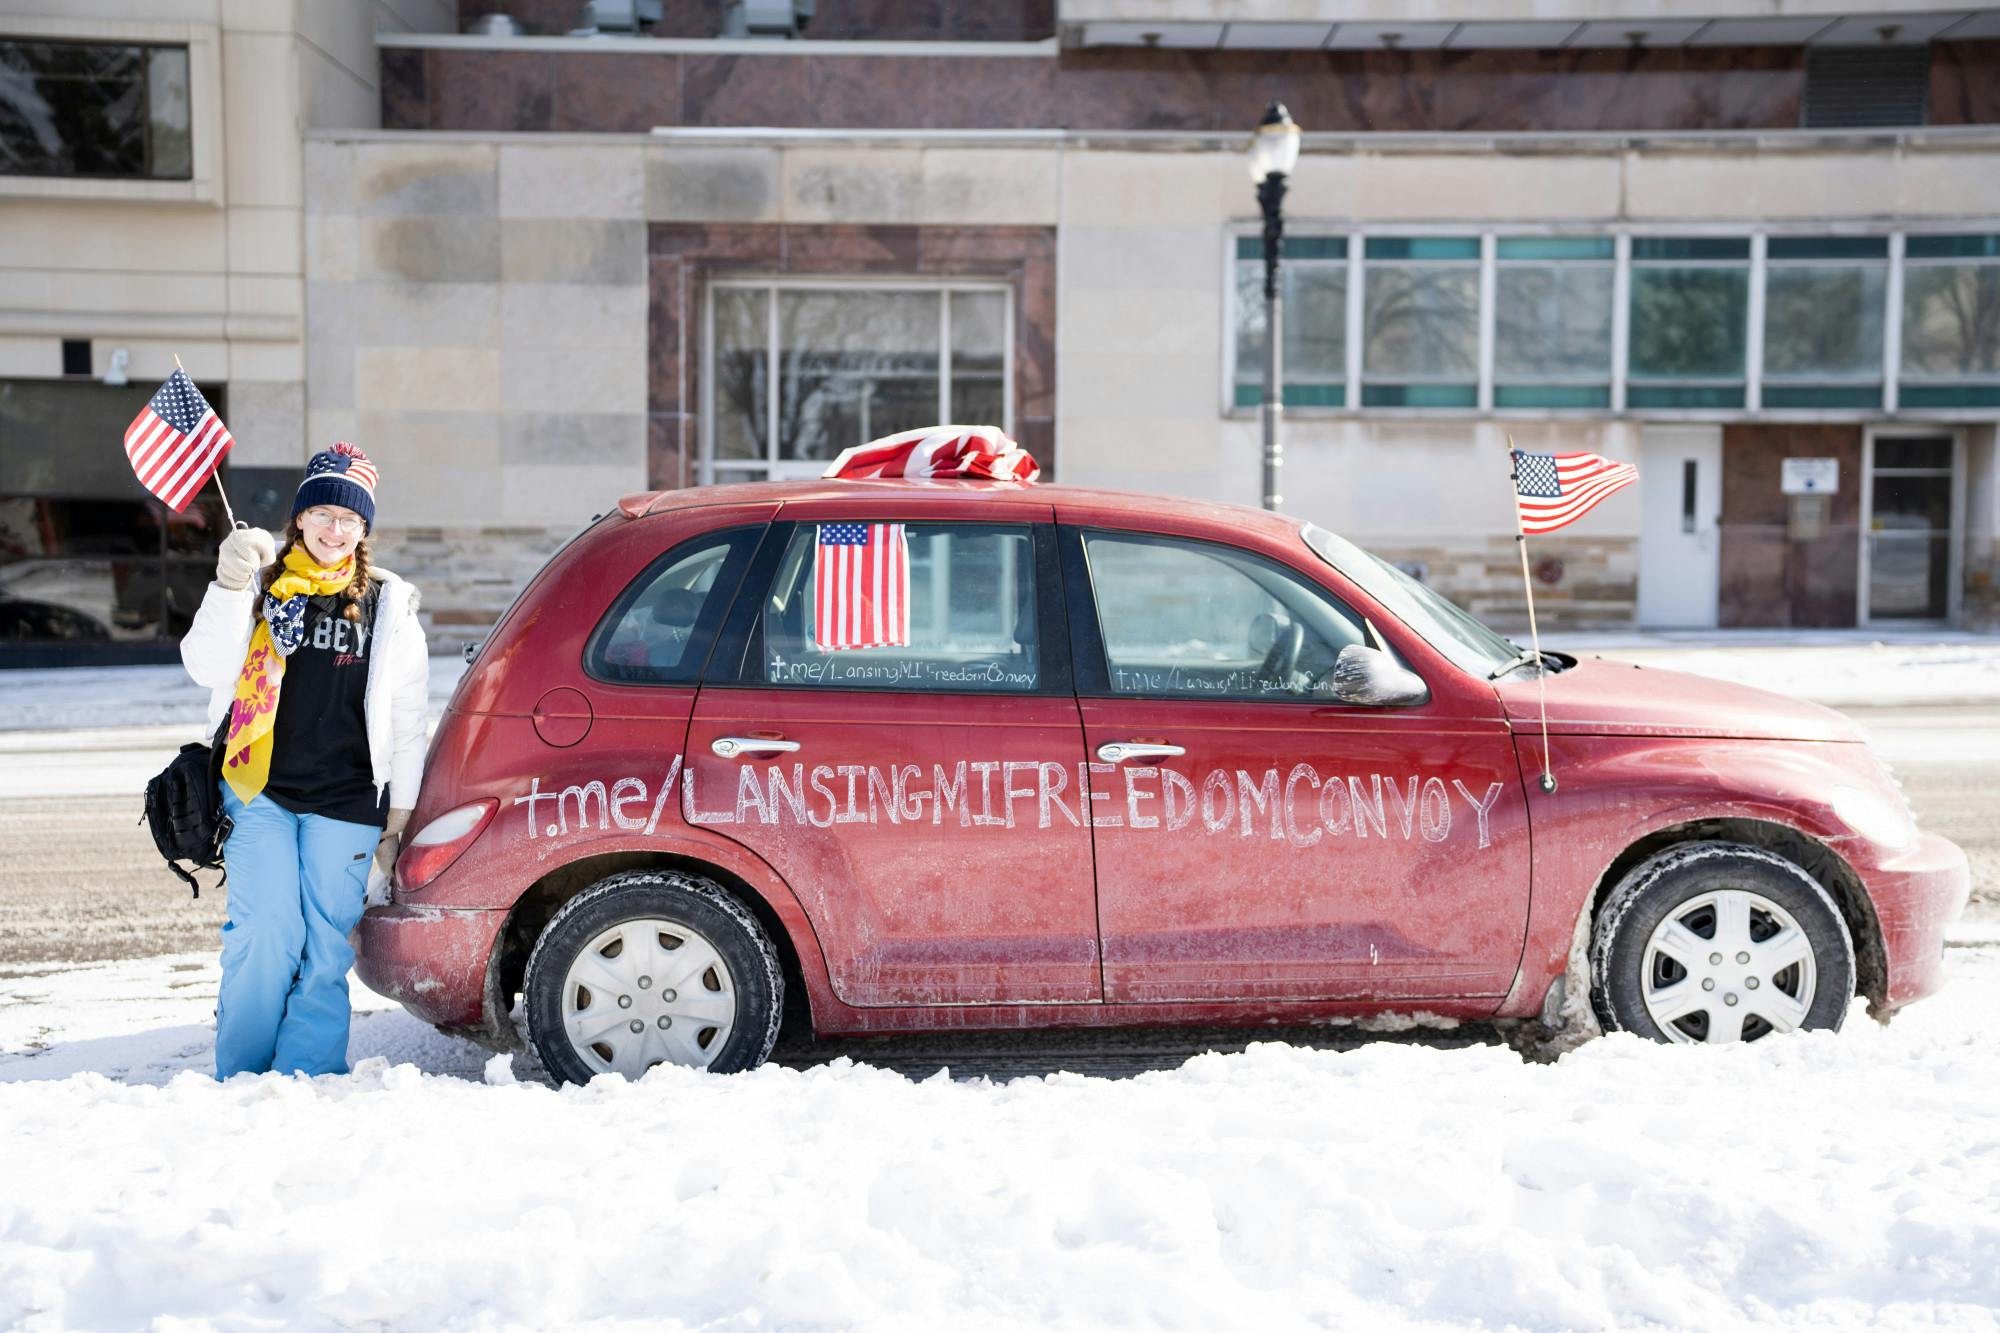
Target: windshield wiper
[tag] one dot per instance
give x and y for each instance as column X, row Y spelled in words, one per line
column 1525, row 657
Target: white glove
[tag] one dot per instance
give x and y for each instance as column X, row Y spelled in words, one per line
column 244, row 552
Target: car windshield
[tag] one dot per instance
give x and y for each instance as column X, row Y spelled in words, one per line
column 1469, row 644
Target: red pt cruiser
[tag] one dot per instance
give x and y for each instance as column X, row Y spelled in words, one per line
column 1111, row 759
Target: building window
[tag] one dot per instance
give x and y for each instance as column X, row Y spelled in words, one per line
column 1951, row 322
column 1314, row 274
column 1689, row 321
column 850, row 363
column 90, row 564
column 1552, row 321
column 1823, row 317
column 99, row 109
column 1420, row 321
column 1910, row 528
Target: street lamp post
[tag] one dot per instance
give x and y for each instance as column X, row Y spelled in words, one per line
column 1274, row 151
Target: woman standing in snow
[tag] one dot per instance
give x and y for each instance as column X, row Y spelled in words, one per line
column 317, row 660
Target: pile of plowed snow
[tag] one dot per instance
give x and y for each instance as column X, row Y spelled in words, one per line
column 1828, row 1181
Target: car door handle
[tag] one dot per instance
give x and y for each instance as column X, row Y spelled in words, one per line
column 729, row 747
column 1117, row 752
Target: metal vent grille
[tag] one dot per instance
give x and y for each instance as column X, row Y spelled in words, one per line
column 1866, row 85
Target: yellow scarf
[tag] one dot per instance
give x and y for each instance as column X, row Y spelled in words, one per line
column 247, row 752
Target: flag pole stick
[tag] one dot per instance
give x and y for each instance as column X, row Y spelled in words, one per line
column 1534, row 634
column 216, row 475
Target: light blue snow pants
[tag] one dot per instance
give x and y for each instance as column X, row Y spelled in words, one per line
column 296, row 884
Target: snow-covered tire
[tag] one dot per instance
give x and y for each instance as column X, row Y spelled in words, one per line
column 1719, row 941
column 727, row 1007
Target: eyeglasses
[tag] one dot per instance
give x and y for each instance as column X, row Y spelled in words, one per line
column 322, row 518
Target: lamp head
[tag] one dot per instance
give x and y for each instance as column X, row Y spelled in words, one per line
column 1274, row 148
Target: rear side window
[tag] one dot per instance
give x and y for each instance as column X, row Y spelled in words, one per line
column 903, row 606
column 661, row 627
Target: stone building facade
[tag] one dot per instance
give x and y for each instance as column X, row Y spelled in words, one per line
column 152, row 207
column 552, row 269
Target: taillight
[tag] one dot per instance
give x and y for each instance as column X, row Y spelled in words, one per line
column 442, row 841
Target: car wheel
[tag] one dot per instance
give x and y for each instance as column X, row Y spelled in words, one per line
column 1719, row 942
column 652, row 967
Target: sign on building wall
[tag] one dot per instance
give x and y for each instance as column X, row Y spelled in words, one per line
column 1810, row 476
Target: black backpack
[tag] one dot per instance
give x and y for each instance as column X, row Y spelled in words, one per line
column 184, row 811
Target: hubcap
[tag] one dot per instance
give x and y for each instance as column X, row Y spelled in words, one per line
column 1728, row 966
column 645, row 993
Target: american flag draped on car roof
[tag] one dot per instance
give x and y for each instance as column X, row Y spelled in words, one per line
column 1553, row 490
column 938, row 451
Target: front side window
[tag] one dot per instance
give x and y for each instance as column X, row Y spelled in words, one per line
column 1314, row 278
column 1823, row 307
column 799, row 373
column 1198, row 620
column 1951, row 322
column 1552, row 321
column 100, row 109
column 940, row 607
column 660, row 629
column 1689, row 312
column 1420, row 321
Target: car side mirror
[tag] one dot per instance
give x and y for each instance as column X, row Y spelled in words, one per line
column 1371, row 677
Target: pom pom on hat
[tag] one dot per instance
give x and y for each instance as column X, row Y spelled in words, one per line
column 341, row 475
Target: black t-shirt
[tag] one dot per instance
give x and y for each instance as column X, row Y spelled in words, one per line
column 319, row 740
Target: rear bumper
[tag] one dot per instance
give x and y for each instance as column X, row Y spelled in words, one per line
column 1918, row 894
column 430, row 960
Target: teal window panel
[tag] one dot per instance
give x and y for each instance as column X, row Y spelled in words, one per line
column 1421, row 247
column 1684, row 395
column 1822, row 395
column 1311, row 247
column 1315, row 395
column 1295, row 247
column 1420, row 395
column 1827, row 247
column 1555, row 247
column 1690, row 247
column 1952, row 247
column 1949, row 395
column 1296, row 395
column 1552, row 395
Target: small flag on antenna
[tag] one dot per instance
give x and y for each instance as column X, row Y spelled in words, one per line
column 176, row 442
column 1554, row 490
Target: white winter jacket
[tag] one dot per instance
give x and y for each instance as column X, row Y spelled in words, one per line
column 399, row 668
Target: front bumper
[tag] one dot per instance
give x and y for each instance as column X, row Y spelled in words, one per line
column 1918, row 894
column 430, row 960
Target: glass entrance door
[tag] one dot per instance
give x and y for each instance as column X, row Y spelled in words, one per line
column 1910, row 528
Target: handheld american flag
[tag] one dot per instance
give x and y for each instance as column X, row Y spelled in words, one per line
column 176, row 442
column 1553, row 490
column 861, row 586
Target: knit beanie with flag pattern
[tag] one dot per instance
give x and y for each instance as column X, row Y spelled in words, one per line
column 341, row 476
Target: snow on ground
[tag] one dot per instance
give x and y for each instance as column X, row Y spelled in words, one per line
column 1842, row 669
column 61, row 698
column 1817, row 1181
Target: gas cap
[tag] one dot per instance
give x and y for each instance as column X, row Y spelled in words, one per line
column 562, row 717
